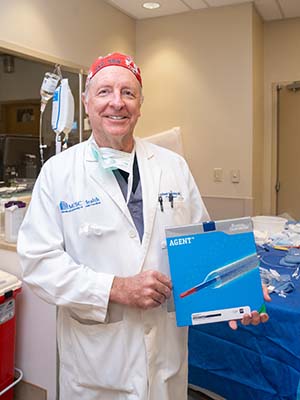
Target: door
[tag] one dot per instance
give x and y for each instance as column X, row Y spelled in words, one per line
column 288, row 152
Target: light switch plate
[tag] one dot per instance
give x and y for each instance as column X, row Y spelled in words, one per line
column 235, row 176
column 218, row 174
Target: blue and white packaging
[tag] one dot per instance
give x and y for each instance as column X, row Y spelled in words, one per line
column 214, row 270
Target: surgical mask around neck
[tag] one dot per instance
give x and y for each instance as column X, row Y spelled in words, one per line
column 111, row 159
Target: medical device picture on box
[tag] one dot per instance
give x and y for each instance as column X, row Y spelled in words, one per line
column 214, row 270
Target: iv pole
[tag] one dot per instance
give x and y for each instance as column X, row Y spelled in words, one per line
column 80, row 76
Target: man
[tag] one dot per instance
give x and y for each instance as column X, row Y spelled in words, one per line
column 93, row 243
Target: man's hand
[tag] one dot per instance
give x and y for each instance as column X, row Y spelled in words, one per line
column 147, row 289
column 254, row 318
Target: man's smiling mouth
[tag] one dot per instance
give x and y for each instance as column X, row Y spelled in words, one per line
column 116, row 117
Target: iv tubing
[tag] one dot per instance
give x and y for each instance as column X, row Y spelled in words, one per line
column 14, row 383
column 42, row 146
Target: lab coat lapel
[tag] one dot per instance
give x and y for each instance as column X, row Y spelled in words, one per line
column 107, row 181
column 150, row 173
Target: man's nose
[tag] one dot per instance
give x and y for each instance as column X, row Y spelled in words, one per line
column 117, row 100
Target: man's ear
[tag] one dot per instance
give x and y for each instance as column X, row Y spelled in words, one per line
column 84, row 100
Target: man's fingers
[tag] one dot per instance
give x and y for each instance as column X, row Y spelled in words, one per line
column 233, row 325
column 147, row 289
column 163, row 290
column 264, row 317
column 164, row 279
column 158, row 297
column 250, row 319
column 266, row 293
column 255, row 318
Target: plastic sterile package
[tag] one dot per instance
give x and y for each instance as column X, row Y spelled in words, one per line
column 291, row 259
column 293, row 256
column 275, row 282
column 294, row 227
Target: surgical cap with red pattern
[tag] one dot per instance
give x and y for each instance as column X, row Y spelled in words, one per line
column 116, row 59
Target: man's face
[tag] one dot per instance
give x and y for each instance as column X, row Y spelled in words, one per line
column 113, row 103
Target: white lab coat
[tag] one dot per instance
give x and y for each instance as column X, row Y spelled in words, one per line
column 76, row 236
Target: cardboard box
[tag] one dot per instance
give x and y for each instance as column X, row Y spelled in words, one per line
column 214, row 270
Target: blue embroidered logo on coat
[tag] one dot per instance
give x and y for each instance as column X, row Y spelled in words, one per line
column 92, row 202
column 66, row 207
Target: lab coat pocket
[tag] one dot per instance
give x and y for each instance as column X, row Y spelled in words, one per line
column 99, row 353
column 179, row 214
column 175, row 213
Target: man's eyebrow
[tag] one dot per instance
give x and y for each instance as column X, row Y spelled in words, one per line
column 103, row 84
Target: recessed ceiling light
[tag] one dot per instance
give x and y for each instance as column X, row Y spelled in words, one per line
column 151, row 5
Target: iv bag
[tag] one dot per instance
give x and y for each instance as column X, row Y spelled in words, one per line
column 62, row 108
column 48, row 86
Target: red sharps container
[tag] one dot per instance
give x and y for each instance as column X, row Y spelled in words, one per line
column 10, row 286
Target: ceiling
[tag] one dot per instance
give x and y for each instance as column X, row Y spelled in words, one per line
column 268, row 9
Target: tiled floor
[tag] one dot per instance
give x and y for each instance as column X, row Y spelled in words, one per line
column 195, row 395
column 24, row 391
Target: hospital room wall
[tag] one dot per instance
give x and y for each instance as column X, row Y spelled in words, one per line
column 217, row 63
column 258, row 111
column 72, row 30
column 198, row 74
column 282, row 64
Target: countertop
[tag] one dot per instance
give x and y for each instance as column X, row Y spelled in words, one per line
column 7, row 246
column 4, row 245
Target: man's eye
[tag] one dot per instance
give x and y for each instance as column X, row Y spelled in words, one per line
column 129, row 94
column 103, row 92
